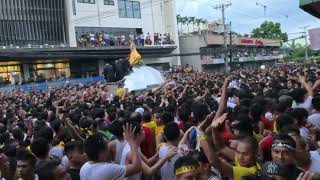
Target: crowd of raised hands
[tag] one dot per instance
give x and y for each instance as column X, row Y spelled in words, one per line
column 248, row 124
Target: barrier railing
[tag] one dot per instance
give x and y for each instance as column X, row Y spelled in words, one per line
column 50, row 85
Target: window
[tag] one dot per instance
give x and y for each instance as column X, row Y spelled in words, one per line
column 129, row 9
column 87, row 1
column 109, row 2
column 136, row 10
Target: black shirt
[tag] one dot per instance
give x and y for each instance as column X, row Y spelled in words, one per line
column 74, row 174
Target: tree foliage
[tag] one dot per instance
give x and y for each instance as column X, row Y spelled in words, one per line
column 270, row 30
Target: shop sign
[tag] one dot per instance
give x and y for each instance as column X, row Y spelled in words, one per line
column 257, row 42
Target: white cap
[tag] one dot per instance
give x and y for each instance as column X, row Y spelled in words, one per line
column 139, row 110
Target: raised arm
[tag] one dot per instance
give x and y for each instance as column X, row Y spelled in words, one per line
column 207, row 145
column 316, row 85
column 74, row 132
column 134, row 143
column 303, row 82
column 155, row 168
column 223, row 100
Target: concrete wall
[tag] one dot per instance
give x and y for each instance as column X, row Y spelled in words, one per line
column 192, row 44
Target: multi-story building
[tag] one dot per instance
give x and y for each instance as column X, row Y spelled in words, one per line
column 43, row 37
column 24, row 22
column 206, row 52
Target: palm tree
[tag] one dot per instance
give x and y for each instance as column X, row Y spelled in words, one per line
column 179, row 18
column 189, row 21
column 183, row 22
column 192, row 19
column 186, row 21
column 205, row 23
column 198, row 21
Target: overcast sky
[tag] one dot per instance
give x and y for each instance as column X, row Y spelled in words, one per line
column 246, row 14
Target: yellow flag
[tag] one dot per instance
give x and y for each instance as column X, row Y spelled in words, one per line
column 135, row 57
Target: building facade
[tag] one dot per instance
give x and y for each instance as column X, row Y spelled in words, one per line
column 24, row 22
column 206, row 51
column 40, row 38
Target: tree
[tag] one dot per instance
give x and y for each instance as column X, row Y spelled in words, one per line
column 184, row 20
column 270, row 30
column 179, row 18
column 192, row 20
column 189, row 20
column 198, row 22
column 205, row 23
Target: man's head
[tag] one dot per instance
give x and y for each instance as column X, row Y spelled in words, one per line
column 116, row 129
column 203, row 163
column 283, row 149
column 246, row 151
column 75, row 153
column 200, row 111
column 52, row 170
column 166, row 118
column 171, row 131
column 96, row 148
column 146, row 117
column 40, row 148
column 25, row 164
column 298, row 94
column 186, row 168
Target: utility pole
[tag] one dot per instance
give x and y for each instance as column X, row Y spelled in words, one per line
column 98, row 8
column 230, row 45
column 264, row 8
column 223, row 7
column 306, row 41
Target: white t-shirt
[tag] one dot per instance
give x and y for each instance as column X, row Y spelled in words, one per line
column 125, row 152
column 314, row 119
column 167, row 170
column 102, row 171
column 315, row 161
column 65, row 162
column 307, row 104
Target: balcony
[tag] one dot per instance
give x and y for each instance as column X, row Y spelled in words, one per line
column 54, row 52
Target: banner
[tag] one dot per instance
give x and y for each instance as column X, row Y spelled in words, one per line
column 314, row 39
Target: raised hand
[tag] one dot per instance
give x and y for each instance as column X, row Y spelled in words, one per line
column 128, row 134
column 204, row 124
column 220, row 120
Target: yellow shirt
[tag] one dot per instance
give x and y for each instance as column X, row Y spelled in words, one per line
column 239, row 171
column 120, row 92
column 152, row 125
column 159, row 129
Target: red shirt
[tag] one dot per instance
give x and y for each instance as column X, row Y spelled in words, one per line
column 147, row 145
column 267, row 122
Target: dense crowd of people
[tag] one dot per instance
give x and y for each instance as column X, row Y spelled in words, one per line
column 105, row 39
column 249, row 124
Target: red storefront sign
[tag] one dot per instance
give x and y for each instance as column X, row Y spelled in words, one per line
column 251, row 42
